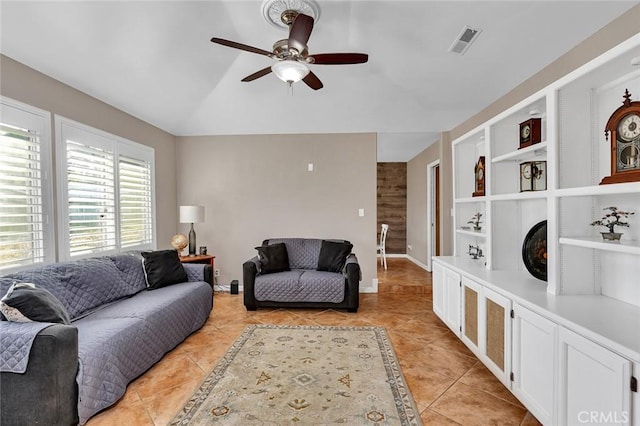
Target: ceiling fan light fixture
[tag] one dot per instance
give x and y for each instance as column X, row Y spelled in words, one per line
column 290, row 71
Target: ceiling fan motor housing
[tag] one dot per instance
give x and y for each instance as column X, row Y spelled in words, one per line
column 281, row 50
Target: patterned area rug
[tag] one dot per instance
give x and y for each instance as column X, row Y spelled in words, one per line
column 304, row 375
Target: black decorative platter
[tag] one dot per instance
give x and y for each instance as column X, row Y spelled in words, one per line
column 534, row 250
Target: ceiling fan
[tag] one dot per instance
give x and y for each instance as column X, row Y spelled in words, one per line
column 292, row 54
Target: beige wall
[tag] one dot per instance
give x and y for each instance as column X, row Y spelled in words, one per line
column 417, row 194
column 27, row 85
column 257, row 186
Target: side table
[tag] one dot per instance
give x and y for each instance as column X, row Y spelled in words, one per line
column 199, row 258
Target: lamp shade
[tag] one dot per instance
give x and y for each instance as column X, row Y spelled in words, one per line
column 290, row 71
column 191, row 214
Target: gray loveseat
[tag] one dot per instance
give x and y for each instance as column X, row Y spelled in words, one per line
column 302, row 285
column 118, row 331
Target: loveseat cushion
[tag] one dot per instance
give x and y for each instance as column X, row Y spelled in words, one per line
column 303, row 252
column 273, row 258
column 333, row 255
column 300, row 285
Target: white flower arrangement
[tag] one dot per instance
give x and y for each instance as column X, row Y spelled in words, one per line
column 613, row 218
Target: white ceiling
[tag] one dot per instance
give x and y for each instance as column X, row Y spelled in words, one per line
column 154, row 60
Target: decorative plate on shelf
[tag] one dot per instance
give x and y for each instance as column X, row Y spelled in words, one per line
column 534, row 250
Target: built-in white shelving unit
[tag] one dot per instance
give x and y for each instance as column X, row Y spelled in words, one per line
column 533, row 152
column 569, row 344
column 573, row 112
column 470, row 233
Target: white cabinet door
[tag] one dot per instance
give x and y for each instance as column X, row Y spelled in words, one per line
column 438, row 290
column 471, row 334
column 495, row 321
column 594, row 383
column 534, row 347
column 446, row 296
column 452, row 300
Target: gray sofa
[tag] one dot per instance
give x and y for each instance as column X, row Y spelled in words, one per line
column 302, row 285
column 118, row 331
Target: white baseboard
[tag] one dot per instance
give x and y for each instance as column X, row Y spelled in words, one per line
column 394, row 255
column 420, row 264
column 372, row 289
column 406, row 256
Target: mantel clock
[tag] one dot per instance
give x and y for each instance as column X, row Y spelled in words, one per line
column 624, row 127
column 479, row 171
column 530, row 132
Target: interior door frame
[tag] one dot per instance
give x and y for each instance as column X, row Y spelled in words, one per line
column 432, row 192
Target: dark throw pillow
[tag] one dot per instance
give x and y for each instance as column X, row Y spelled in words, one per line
column 24, row 302
column 333, row 255
column 163, row 268
column 273, row 258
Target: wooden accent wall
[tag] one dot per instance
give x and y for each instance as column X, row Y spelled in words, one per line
column 392, row 205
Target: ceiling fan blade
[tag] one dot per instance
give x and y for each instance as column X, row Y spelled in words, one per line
column 300, row 32
column 241, row 46
column 313, row 81
column 257, row 74
column 340, row 58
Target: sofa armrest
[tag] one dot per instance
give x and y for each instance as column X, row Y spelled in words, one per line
column 250, row 269
column 353, row 276
column 199, row 272
column 47, row 392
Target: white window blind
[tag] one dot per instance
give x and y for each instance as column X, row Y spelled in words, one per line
column 91, row 198
column 24, row 192
column 136, row 220
column 106, row 195
column 21, row 233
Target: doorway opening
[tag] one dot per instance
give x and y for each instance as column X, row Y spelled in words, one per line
column 433, row 211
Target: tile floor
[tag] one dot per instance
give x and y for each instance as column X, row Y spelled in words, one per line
column 449, row 384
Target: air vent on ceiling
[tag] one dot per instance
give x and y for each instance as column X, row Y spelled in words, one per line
column 464, row 39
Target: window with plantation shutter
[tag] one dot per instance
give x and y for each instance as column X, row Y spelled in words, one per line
column 136, row 220
column 91, row 198
column 25, row 203
column 106, row 198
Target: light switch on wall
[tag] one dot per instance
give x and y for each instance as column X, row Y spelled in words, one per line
column 310, row 167
column 361, row 212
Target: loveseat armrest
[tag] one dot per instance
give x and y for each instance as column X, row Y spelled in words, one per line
column 353, row 275
column 47, row 392
column 250, row 269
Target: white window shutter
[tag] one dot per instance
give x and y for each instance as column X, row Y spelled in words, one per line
column 136, row 213
column 91, row 198
column 21, row 213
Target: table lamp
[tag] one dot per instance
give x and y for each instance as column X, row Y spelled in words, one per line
column 192, row 214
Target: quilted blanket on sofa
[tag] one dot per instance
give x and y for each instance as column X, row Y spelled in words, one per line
column 300, row 285
column 121, row 341
column 16, row 341
column 122, row 328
